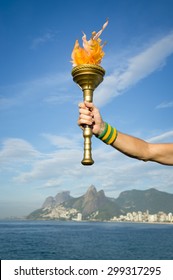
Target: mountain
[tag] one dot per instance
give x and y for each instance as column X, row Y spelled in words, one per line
column 52, row 207
column 94, row 205
column 58, row 199
column 151, row 200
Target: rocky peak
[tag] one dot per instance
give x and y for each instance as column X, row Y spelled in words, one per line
column 49, row 202
column 92, row 200
column 58, row 199
column 91, row 193
column 62, row 197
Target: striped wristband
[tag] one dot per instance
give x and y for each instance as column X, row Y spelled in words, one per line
column 109, row 134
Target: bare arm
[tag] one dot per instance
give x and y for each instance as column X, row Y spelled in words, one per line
column 142, row 150
column 126, row 144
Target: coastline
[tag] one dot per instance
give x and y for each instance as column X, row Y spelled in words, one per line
column 83, row 221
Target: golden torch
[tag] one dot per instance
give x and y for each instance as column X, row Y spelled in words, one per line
column 88, row 74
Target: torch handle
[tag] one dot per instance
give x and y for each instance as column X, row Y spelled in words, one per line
column 87, row 132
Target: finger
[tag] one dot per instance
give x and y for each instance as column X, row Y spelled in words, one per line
column 85, row 120
column 89, row 105
column 85, row 112
column 80, row 125
column 82, row 105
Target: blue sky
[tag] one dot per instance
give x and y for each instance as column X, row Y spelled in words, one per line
column 41, row 145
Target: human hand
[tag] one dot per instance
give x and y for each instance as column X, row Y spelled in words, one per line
column 90, row 115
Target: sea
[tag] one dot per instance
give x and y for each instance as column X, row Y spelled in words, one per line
column 62, row 240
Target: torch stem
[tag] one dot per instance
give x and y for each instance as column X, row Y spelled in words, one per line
column 87, row 132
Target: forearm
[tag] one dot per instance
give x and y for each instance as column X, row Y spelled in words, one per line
column 137, row 148
column 142, row 150
column 128, row 145
column 132, row 146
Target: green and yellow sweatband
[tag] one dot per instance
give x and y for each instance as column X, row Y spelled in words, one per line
column 109, row 134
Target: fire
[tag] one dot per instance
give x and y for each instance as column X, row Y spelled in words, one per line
column 92, row 51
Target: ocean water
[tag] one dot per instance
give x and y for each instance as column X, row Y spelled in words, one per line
column 55, row 240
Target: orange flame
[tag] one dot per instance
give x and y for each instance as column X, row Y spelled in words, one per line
column 92, row 51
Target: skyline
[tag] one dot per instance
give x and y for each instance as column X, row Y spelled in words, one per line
column 41, row 146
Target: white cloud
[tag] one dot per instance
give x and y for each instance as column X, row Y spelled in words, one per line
column 53, row 183
column 137, row 68
column 51, row 88
column 61, row 168
column 57, row 99
column 63, row 141
column 59, row 164
column 7, row 102
column 43, row 39
column 162, row 137
column 165, row 105
column 56, row 165
column 17, row 150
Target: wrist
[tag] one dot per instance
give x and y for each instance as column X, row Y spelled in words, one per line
column 108, row 134
column 102, row 128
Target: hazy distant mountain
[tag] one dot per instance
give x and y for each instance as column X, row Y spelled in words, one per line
column 58, row 199
column 94, row 205
column 151, row 199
